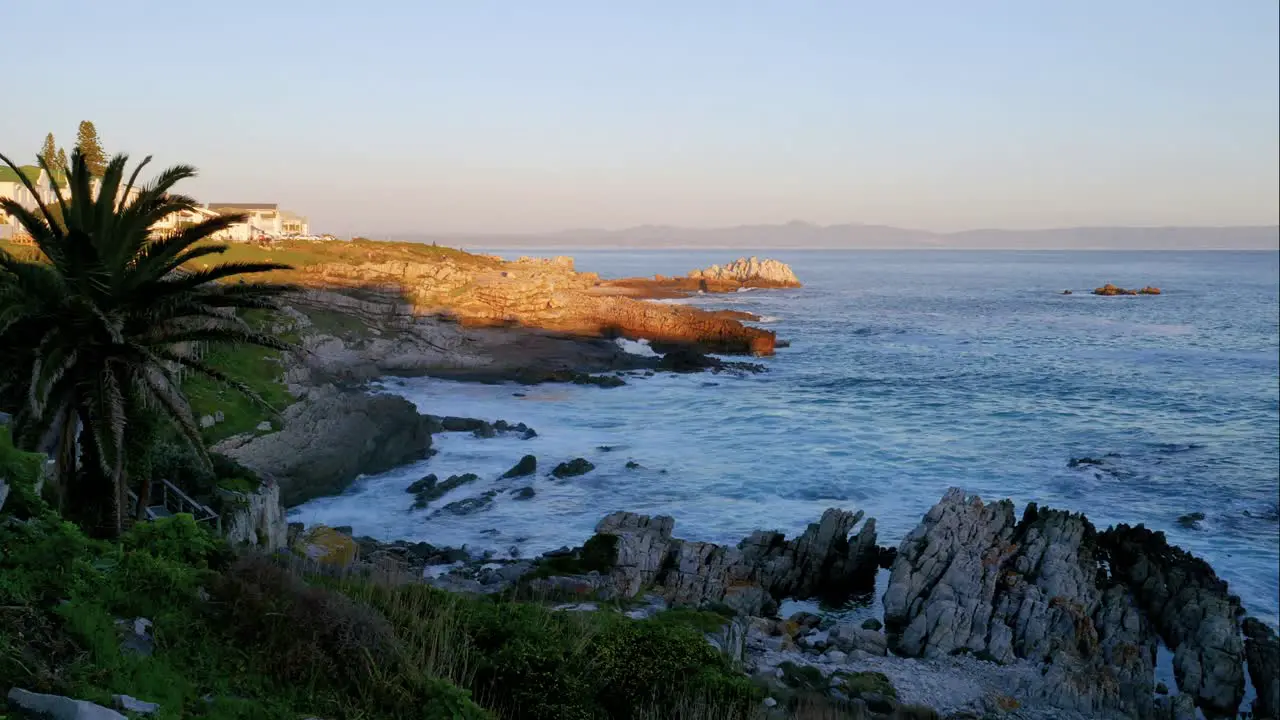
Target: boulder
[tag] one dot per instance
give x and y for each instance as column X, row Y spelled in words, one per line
column 427, row 490
column 327, row 546
column 56, row 707
column 849, row 637
column 331, row 438
column 687, row 360
column 528, row 465
column 460, row 424
column 573, row 468
column 467, row 506
column 524, row 493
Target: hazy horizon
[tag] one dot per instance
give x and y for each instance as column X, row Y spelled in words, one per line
column 484, row 118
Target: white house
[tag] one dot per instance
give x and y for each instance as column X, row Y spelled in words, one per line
column 12, row 187
column 265, row 219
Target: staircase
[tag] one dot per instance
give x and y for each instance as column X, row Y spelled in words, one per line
column 168, row 500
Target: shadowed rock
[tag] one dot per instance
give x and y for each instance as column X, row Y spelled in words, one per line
column 764, row 567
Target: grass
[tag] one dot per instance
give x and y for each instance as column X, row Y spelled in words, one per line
column 302, row 254
column 259, row 368
column 262, row 640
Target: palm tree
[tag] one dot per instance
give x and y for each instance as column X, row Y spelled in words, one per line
column 94, row 334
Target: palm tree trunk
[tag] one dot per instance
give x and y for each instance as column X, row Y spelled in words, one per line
column 144, row 499
column 65, row 457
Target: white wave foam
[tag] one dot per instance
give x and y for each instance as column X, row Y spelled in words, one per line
column 768, row 319
column 636, row 347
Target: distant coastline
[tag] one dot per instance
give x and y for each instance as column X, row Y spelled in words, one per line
column 805, row 236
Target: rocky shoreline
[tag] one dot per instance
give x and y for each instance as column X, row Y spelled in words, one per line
column 484, row 320
column 986, row 614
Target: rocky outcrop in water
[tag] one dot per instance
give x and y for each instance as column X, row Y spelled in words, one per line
column 330, row 438
column 751, row 272
column 974, row 579
column 1110, row 290
column 764, row 567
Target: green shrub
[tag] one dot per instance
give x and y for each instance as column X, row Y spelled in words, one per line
column 802, row 677
column 703, row 621
column 178, row 539
column 863, row 683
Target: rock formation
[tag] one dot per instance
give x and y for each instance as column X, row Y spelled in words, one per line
column 764, row 567
column 1190, row 607
column 527, row 293
column 751, row 272
column 256, row 518
column 331, row 437
column 1110, row 289
column 1262, row 649
column 972, row 579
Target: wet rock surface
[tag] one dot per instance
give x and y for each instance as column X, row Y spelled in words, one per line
column 573, row 468
column 527, row 465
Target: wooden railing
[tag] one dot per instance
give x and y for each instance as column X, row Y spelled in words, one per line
column 168, row 499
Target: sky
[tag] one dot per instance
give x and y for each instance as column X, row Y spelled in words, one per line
column 396, row 117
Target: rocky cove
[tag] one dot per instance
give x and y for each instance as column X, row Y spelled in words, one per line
column 983, row 612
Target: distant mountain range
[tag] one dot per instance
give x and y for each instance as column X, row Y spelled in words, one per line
column 806, row 236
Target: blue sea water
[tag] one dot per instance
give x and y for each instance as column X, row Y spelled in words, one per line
column 908, row 373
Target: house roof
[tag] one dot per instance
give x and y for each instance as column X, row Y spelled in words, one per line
column 31, row 171
column 243, row 206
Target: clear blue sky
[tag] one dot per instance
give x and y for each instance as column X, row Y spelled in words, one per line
column 490, row 115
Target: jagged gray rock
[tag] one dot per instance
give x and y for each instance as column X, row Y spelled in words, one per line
column 750, row 577
column 971, row 579
column 1262, row 649
column 255, row 518
column 1191, row 609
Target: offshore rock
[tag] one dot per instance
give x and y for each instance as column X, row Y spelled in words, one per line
column 764, row 567
column 751, row 272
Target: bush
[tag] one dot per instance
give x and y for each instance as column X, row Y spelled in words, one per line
column 179, row 539
column 307, row 633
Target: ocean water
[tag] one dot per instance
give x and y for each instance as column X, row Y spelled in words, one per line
column 908, row 373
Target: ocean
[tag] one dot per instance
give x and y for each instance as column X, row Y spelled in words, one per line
column 908, row 373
